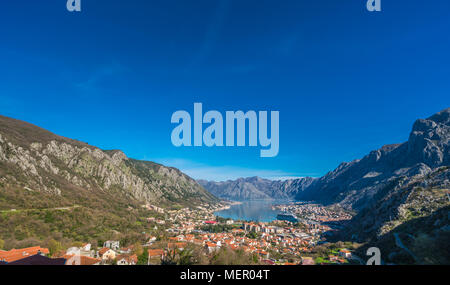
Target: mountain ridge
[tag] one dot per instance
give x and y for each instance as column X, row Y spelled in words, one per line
column 427, row 148
column 50, row 163
column 353, row 183
column 256, row 188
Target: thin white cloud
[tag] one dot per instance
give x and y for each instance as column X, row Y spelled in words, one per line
column 106, row 71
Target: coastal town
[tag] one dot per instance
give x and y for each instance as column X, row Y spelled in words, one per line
column 314, row 212
column 197, row 236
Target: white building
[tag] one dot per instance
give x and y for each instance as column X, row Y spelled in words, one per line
column 112, row 244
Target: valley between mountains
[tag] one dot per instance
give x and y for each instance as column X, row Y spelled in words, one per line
column 56, row 188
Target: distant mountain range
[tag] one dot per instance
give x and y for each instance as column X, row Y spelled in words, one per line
column 354, row 184
column 256, row 188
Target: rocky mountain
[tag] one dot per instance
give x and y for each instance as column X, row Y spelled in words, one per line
column 256, row 188
column 66, row 171
column 400, row 194
column 355, row 184
column 409, row 220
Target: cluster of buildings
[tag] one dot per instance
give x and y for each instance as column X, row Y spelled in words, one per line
column 284, row 238
column 271, row 242
column 17, row 256
column 111, row 253
column 280, row 237
column 313, row 212
column 153, row 208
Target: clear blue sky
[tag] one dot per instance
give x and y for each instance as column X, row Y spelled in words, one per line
column 345, row 81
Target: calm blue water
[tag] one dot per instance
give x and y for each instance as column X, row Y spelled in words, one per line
column 259, row 211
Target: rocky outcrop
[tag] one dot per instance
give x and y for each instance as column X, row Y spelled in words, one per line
column 52, row 164
column 403, row 200
column 354, row 184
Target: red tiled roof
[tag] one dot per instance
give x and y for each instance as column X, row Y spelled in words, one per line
column 103, row 250
column 128, row 258
column 131, row 247
column 176, row 245
column 17, row 254
column 83, row 260
column 155, row 252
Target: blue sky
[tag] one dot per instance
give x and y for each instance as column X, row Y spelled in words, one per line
column 344, row 80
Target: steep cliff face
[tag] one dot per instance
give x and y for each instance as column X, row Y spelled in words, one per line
column 35, row 160
column 355, row 184
column 401, row 194
column 409, row 220
column 403, row 200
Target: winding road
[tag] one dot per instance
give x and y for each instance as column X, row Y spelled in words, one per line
column 400, row 244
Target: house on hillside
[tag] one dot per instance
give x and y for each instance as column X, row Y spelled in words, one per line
column 81, row 260
column 127, row 250
column 263, row 254
column 333, row 258
column 85, row 250
column 345, row 253
column 211, row 247
column 107, row 254
column 127, row 259
column 112, row 244
column 155, row 256
column 176, row 245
